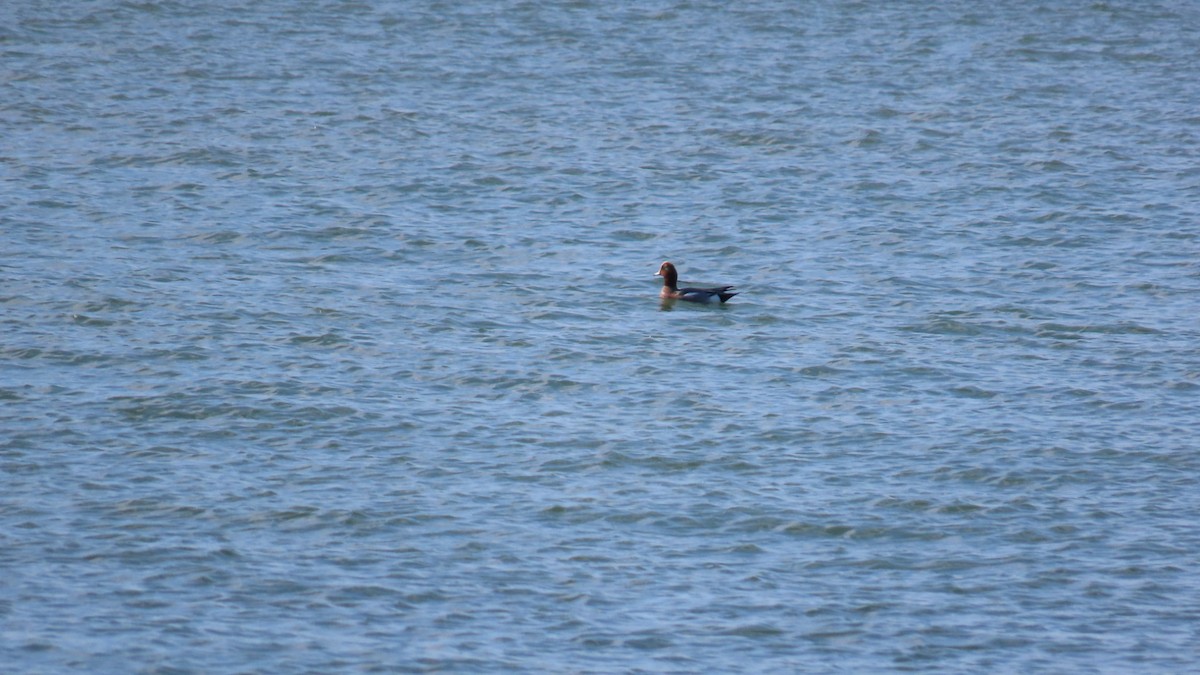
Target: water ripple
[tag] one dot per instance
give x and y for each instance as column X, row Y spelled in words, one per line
column 343, row 352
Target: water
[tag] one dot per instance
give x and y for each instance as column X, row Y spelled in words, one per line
column 330, row 340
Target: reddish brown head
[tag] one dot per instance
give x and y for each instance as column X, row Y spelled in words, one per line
column 669, row 275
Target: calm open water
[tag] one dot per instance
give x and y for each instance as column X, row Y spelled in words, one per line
column 330, row 342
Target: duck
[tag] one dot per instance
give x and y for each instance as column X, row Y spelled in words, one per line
column 671, row 290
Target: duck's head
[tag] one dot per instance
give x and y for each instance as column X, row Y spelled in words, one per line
column 669, row 275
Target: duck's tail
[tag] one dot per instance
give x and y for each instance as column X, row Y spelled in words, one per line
column 724, row 294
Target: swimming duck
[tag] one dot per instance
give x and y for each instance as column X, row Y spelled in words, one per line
column 672, row 291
